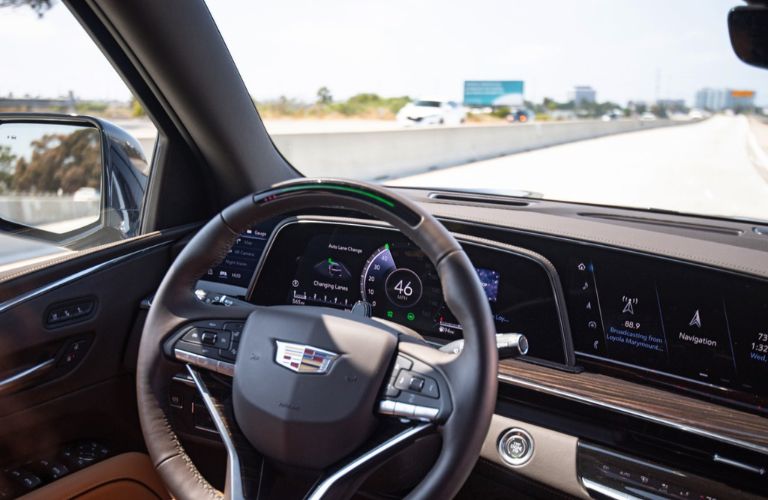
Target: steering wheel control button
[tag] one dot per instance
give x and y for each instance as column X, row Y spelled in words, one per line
column 402, row 363
column 425, row 413
column 208, row 338
column 404, row 410
column 228, row 354
column 515, row 447
column 223, row 339
column 192, row 336
column 391, row 391
column 431, row 389
column 387, row 407
column 206, row 362
column 409, row 411
column 416, row 383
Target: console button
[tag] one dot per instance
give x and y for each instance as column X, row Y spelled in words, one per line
column 176, row 400
column 515, row 447
column 84, row 453
column 25, row 479
column 72, row 354
column 201, row 418
column 70, row 312
column 51, row 469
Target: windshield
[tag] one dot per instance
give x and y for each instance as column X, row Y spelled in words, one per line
column 639, row 104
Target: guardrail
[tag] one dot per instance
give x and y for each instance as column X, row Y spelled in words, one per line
column 379, row 155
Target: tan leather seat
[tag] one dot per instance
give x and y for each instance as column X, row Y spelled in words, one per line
column 129, row 476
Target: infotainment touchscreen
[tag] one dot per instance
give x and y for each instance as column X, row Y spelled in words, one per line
column 680, row 320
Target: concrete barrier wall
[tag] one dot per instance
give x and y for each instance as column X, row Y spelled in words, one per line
column 379, row 155
column 370, row 155
column 39, row 210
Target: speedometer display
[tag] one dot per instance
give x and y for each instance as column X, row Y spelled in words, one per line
column 401, row 284
column 337, row 265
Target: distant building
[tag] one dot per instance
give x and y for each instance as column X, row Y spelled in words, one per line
column 671, row 104
column 720, row 99
column 583, row 94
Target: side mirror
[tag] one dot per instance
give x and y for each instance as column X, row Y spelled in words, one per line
column 748, row 27
column 69, row 178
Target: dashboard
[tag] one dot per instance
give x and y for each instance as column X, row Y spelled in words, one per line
column 686, row 327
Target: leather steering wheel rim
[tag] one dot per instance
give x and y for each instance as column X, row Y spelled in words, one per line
column 473, row 386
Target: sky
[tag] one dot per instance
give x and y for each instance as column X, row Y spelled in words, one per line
column 625, row 49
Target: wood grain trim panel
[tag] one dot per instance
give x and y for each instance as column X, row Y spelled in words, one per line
column 691, row 415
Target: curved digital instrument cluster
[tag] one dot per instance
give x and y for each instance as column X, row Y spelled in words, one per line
column 641, row 317
column 336, row 265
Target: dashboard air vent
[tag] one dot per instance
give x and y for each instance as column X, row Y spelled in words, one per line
column 479, row 198
column 732, row 231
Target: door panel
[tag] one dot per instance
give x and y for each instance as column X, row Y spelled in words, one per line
column 87, row 392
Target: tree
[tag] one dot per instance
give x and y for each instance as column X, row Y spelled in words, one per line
column 324, row 96
column 6, row 159
column 39, row 6
column 6, row 168
column 61, row 161
column 136, row 108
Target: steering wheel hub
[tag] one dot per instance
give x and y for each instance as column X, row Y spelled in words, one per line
column 307, row 380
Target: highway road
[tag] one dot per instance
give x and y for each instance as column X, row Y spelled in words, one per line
column 712, row 167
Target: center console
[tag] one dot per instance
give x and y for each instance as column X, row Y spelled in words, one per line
column 608, row 474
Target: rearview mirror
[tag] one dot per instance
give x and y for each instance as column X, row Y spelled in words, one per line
column 65, row 177
column 748, row 27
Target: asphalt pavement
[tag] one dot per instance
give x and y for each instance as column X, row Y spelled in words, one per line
column 712, row 167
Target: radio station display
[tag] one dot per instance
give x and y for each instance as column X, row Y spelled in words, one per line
column 673, row 319
column 336, row 266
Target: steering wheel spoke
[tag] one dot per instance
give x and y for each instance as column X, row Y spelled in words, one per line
column 417, row 387
column 342, row 481
column 244, row 463
column 209, row 344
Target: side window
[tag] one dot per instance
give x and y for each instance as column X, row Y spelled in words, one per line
column 75, row 145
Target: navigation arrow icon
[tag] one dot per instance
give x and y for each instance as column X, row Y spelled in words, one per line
column 628, row 308
column 696, row 320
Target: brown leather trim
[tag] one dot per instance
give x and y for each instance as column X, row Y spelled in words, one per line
column 126, row 476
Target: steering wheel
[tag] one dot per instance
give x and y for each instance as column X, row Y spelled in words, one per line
column 313, row 388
